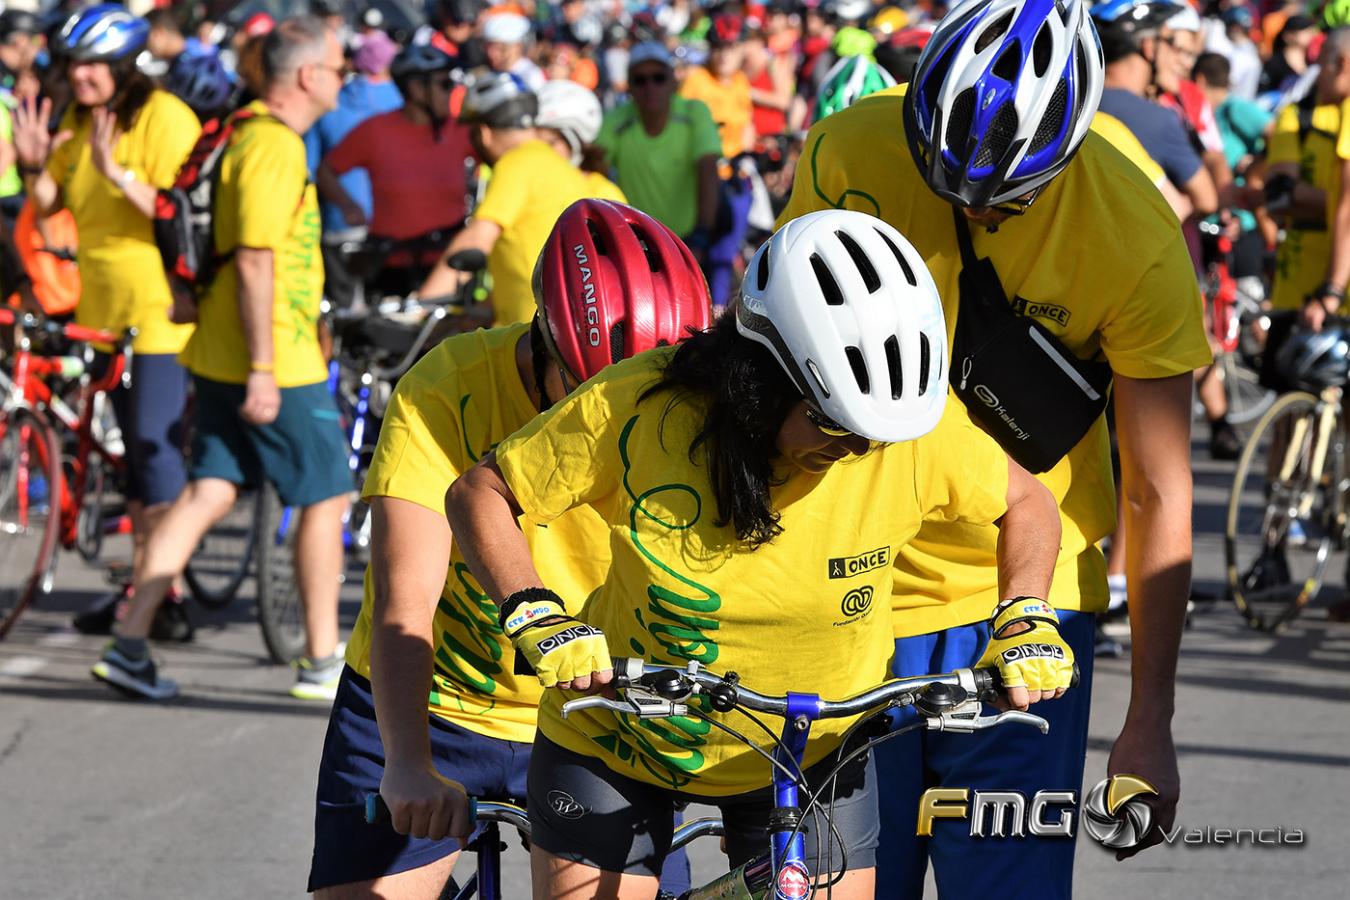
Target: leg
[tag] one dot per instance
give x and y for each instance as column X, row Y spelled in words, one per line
column 319, row 559
column 560, row 879
column 201, row 505
column 425, row 883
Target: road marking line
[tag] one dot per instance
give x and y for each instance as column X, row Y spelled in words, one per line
column 20, row 666
column 60, row 639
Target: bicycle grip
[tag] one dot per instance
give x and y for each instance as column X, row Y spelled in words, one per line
column 989, row 681
column 377, row 811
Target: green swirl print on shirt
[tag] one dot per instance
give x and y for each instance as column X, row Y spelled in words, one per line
column 680, row 625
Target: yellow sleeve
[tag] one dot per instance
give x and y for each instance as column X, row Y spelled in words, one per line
column 419, row 446
column 604, row 189
column 1160, row 331
column 507, row 193
column 1343, row 133
column 270, row 187
column 567, row 457
column 960, row 472
column 170, row 137
column 1283, row 145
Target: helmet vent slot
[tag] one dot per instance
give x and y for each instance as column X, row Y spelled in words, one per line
column 616, row 342
column 871, row 280
column 855, row 361
column 900, row 258
column 958, row 123
column 995, row 31
column 596, row 237
column 892, row 346
column 925, row 358
column 1041, row 50
column 1009, row 62
column 1053, row 119
column 762, row 270
column 828, row 286
column 998, row 138
column 654, row 261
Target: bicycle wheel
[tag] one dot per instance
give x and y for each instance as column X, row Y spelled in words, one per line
column 30, row 513
column 224, row 558
column 280, row 612
column 100, row 504
column 1281, row 525
column 1248, row 399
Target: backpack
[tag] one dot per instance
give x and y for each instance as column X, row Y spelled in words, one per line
column 183, row 218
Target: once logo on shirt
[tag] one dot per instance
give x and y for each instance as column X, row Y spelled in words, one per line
column 588, row 295
column 848, row 566
column 1051, row 311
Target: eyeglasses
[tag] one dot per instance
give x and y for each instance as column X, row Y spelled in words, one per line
column 341, row 71
column 1018, row 205
column 445, row 83
column 1186, row 55
column 656, row 79
column 824, row 423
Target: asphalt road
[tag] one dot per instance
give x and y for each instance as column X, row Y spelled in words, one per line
column 212, row 795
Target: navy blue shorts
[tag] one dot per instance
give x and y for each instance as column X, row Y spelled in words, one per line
column 303, row 452
column 150, row 414
column 1009, row 758
column 346, row 849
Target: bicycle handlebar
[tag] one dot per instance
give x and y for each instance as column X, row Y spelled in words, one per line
column 68, row 330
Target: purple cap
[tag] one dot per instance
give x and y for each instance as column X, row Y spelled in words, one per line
column 376, row 52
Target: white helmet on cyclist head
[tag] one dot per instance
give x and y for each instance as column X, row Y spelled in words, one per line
column 849, row 310
column 499, row 100
column 571, row 110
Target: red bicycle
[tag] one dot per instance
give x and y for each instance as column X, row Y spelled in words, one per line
column 58, row 471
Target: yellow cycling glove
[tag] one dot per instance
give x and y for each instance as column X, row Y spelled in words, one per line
column 557, row 646
column 1037, row 658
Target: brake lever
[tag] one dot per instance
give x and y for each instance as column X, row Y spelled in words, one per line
column 966, row 719
column 642, row 704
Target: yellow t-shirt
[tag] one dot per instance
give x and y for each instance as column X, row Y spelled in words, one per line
column 264, row 201
column 789, row 615
column 1098, row 259
column 120, row 267
column 1120, row 137
column 728, row 101
column 530, row 187
column 604, row 189
column 1304, row 253
column 448, row 411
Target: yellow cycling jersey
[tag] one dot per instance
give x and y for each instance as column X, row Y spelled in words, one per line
column 602, row 188
column 1098, row 259
column 530, row 187
column 804, row 612
column 1120, row 137
column 1318, row 142
column 120, row 267
column 447, row 412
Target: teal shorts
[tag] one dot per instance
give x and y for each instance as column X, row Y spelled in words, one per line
column 303, row 452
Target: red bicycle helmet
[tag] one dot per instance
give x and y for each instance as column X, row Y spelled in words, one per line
column 612, row 282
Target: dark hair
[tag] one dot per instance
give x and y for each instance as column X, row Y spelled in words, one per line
column 132, row 91
column 748, row 395
column 1214, row 68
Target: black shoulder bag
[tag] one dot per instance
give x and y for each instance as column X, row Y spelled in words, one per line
column 1017, row 380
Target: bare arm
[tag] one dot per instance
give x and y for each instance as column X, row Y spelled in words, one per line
column 1180, row 203
column 1028, row 537
column 1338, row 268
column 262, row 399
column 1200, row 189
column 44, row 193
column 331, row 189
column 482, row 512
column 708, row 186
column 1153, row 418
column 479, row 234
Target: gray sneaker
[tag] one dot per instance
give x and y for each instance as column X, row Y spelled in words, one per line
column 133, row 677
column 317, row 679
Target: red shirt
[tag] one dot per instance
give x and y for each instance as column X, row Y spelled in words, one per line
column 417, row 183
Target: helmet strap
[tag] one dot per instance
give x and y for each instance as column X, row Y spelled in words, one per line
column 539, row 360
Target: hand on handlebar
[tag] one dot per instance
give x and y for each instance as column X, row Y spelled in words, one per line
column 1032, row 659
column 424, row 804
column 563, row 651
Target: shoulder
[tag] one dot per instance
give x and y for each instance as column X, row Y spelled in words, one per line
column 1118, row 200
column 163, row 110
column 459, row 358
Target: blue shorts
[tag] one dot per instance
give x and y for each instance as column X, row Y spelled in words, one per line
column 303, row 452
column 346, row 849
column 1010, row 758
column 150, row 414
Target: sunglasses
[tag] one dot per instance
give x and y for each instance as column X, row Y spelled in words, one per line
column 445, row 83
column 1018, row 205
column 824, row 423
column 656, row 79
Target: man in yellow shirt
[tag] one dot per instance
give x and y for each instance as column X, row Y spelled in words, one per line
column 530, row 187
column 262, row 405
column 430, row 693
column 1087, row 249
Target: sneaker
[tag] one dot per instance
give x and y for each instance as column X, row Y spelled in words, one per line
column 102, row 613
column 1115, row 584
column 133, row 677
column 1224, row 442
column 1296, row 536
column 318, row 679
column 171, row 620
column 1106, row 646
column 1268, row 571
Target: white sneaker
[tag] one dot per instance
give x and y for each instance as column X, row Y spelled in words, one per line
column 1115, row 584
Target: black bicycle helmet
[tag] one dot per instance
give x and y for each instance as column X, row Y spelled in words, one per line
column 1316, row 360
column 421, row 60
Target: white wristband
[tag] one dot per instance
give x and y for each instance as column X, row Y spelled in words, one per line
column 127, row 178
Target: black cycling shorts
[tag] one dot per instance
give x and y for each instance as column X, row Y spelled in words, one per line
column 581, row 810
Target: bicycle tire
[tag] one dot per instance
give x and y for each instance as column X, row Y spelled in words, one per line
column 225, row 556
column 280, row 612
column 30, row 523
column 1272, row 572
column 1248, row 399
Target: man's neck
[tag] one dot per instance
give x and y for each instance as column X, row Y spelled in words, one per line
column 292, row 107
column 654, row 121
column 513, row 139
column 1126, row 76
column 416, row 114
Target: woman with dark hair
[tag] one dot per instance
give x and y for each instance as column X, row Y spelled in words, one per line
column 118, row 142
column 756, row 481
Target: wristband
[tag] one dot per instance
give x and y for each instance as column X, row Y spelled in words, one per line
column 540, row 601
column 1327, row 289
column 261, row 367
column 31, row 170
column 126, row 178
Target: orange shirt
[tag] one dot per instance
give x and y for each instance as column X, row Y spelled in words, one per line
column 728, row 101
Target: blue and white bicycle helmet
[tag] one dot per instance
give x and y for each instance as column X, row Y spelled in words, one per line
column 1002, row 97
column 1131, row 16
column 102, row 33
column 201, row 81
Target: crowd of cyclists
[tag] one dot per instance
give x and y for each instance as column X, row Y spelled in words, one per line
column 853, row 328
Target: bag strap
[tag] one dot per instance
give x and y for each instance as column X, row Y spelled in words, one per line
column 968, row 258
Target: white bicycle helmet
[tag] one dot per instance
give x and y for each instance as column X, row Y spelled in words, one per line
column 849, row 310
column 499, row 100
column 573, row 111
column 1002, row 97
